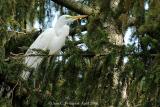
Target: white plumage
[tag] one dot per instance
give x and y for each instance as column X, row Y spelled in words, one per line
column 51, row 39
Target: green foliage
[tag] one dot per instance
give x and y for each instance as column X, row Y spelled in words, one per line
column 151, row 23
column 76, row 75
column 143, row 65
column 96, row 30
column 21, row 12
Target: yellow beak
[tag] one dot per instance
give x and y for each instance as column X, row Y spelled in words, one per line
column 79, row 17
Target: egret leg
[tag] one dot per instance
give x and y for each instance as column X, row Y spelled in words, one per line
column 49, row 60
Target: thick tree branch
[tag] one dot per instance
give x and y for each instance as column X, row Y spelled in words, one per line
column 76, row 6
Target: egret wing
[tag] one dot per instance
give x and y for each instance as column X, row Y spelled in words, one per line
column 58, row 41
column 31, row 60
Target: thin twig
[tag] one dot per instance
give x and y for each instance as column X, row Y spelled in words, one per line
column 13, row 90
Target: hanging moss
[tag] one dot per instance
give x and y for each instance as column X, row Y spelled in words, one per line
column 73, row 77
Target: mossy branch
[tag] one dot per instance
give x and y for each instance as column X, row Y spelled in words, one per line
column 76, row 6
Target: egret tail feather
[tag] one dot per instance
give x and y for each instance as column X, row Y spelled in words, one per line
column 25, row 74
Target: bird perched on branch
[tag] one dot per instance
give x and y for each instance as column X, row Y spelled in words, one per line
column 51, row 39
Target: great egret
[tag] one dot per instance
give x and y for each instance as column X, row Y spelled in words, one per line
column 51, row 39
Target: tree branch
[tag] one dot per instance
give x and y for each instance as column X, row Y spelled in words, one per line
column 45, row 55
column 76, row 6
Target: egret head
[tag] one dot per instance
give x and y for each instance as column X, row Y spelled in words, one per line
column 67, row 19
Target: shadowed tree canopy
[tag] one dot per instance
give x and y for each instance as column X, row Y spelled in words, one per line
column 95, row 67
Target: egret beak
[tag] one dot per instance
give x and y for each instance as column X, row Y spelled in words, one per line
column 79, row 17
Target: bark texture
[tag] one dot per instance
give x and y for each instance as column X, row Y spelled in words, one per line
column 76, row 6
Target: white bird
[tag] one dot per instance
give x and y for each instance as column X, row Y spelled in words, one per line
column 52, row 39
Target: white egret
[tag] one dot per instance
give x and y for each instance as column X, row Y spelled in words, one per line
column 51, row 39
